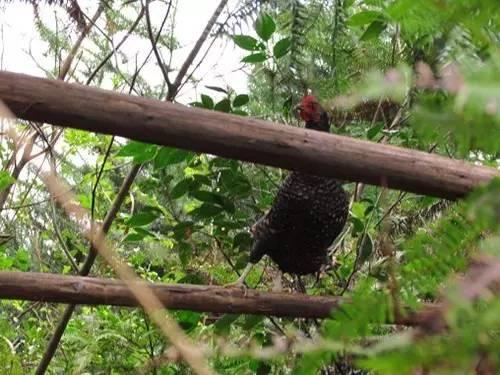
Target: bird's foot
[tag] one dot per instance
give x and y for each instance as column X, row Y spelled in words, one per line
column 238, row 284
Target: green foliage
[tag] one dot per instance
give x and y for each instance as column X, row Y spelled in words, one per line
column 5, row 180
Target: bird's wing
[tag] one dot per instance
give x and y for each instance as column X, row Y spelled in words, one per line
column 284, row 219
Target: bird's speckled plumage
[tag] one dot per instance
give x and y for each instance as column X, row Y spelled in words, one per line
column 308, row 213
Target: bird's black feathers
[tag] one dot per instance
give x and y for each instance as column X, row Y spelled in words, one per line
column 308, row 213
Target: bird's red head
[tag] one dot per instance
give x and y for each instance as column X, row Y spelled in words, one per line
column 310, row 109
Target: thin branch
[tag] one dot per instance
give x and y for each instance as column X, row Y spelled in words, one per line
column 115, row 49
column 56, row 288
column 154, row 40
column 194, row 52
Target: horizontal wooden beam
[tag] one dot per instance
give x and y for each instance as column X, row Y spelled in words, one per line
column 32, row 286
column 243, row 138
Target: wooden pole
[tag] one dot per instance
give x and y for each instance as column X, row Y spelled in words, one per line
column 237, row 137
column 44, row 287
column 80, row 290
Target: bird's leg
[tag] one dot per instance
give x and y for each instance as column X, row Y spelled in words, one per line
column 241, row 280
column 300, row 285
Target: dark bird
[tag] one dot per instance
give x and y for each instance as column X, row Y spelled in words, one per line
column 307, row 214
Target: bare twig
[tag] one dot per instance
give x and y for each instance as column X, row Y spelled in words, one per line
column 194, row 52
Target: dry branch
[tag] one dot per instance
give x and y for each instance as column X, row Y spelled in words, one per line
column 204, row 298
column 237, row 137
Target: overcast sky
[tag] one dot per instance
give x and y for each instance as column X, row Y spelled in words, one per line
column 18, row 36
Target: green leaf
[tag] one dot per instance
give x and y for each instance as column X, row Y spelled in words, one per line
column 250, row 321
column 265, row 26
column 181, row 188
column 196, row 104
column 223, row 106
column 281, row 48
column 374, row 30
column 141, row 152
column 142, row 218
column 170, row 156
column 255, row 58
column 185, row 251
column 246, row 42
column 235, row 183
column 358, row 225
column 365, row 17
column 214, row 198
column 188, row 320
column 134, row 237
column 218, row 89
column 205, row 196
column 5, row 179
column 365, row 246
column 22, row 260
column 239, row 112
column 374, row 130
column 206, row 210
column 241, row 100
column 207, row 101
column 358, row 209
column 242, row 240
column 223, row 325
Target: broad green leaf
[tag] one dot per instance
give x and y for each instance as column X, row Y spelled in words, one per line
column 205, row 196
column 142, row 218
column 6, row 262
column 241, row 100
column 206, row 210
column 246, row 42
column 242, row 240
column 22, row 260
column 183, row 230
column 265, row 26
column 214, row 198
column 134, row 237
column 358, row 209
column 141, row 152
column 250, row 321
column 374, row 130
column 400, row 9
column 223, row 325
column 282, row 47
column 181, row 188
column 188, row 320
column 373, row 30
column 185, row 251
column 207, row 101
column 239, row 112
column 365, row 17
column 235, row 183
column 170, row 156
column 223, row 106
column 358, row 225
column 255, row 58
column 365, row 246
column 5, row 179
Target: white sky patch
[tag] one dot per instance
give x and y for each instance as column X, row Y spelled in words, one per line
column 221, row 67
column 23, row 51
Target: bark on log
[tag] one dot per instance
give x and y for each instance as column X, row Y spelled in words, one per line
column 32, row 286
column 237, row 137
